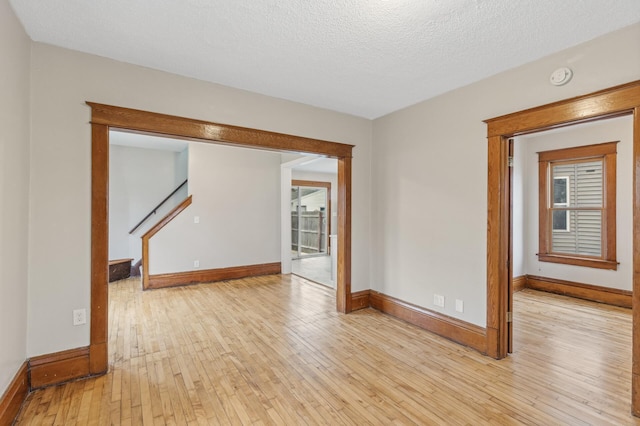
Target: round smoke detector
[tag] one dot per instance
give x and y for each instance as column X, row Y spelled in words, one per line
column 561, row 76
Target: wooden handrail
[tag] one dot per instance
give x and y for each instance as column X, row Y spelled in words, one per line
column 153, row 231
column 155, row 209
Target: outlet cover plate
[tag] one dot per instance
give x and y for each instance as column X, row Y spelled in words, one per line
column 79, row 316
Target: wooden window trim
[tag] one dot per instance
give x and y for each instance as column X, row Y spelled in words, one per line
column 578, row 261
column 607, row 152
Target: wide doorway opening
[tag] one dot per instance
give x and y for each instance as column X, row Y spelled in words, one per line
column 105, row 118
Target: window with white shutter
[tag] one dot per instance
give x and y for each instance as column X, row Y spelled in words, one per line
column 577, row 206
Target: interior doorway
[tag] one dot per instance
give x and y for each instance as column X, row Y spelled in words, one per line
column 576, row 190
column 106, row 117
column 615, row 101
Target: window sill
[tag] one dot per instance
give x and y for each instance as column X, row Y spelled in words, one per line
column 579, row 261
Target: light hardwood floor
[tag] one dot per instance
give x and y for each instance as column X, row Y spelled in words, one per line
column 272, row 350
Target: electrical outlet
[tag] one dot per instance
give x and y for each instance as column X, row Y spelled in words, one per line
column 79, row 316
column 196, row 263
column 459, row 305
column 438, row 300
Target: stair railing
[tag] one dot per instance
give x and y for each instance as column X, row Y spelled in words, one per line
column 155, row 209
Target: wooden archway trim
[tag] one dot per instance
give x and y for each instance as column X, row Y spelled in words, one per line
column 206, row 131
column 106, row 117
column 615, row 101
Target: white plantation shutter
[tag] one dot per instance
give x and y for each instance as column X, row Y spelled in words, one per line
column 584, row 233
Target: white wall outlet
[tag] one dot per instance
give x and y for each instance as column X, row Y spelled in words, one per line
column 196, row 263
column 459, row 305
column 196, row 219
column 438, row 300
column 79, row 316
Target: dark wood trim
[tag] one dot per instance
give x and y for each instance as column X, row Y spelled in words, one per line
column 212, row 275
column 187, row 128
column 579, row 261
column 509, row 292
column 610, row 296
column 168, row 217
column 606, row 103
column 519, row 283
column 635, row 358
column 459, row 331
column 582, row 152
column 59, row 367
column 311, row 183
column 607, row 153
column 99, row 247
column 498, row 233
column 343, row 287
column 609, row 234
column 104, row 117
column 360, row 300
column 543, row 221
column 14, row 396
column 615, row 101
column 153, row 231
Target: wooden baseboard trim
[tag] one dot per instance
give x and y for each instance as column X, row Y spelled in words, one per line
column 211, row 275
column 519, row 283
column 610, row 296
column 14, row 396
column 448, row 327
column 98, row 362
column 360, row 300
column 59, row 367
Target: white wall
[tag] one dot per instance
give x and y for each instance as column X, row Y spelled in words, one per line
column 138, row 180
column 14, row 193
column 429, row 197
column 617, row 129
column 181, row 167
column 59, row 225
column 236, row 195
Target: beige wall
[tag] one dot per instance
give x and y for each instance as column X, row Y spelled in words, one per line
column 430, row 173
column 236, row 196
column 429, row 187
column 14, row 193
column 62, row 80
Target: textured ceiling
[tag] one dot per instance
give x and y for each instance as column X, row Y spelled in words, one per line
column 363, row 57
